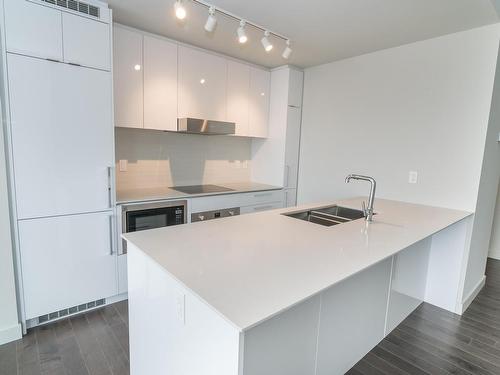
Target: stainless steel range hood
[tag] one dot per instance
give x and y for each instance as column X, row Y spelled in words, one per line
column 207, row 127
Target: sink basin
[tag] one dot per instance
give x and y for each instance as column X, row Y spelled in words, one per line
column 328, row 216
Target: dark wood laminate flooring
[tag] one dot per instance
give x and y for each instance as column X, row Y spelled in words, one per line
column 430, row 341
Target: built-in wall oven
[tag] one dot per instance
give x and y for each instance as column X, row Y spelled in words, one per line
column 137, row 217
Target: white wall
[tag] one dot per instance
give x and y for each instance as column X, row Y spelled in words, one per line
column 10, row 328
column 486, row 200
column 495, row 234
column 420, row 107
column 159, row 159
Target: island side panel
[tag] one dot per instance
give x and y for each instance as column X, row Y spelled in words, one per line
column 325, row 334
column 171, row 330
column 447, row 259
column 284, row 344
column 408, row 284
column 352, row 319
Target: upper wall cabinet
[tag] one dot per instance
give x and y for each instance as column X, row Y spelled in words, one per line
column 295, row 89
column 33, row 30
column 38, row 30
column 238, row 89
column 128, row 78
column 260, row 81
column 202, row 85
column 160, row 84
column 86, row 42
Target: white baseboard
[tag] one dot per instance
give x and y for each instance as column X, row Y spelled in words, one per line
column 10, row 334
column 495, row 254
column 472, row 295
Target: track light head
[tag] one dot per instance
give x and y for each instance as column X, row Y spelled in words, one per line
column 287, row 51
column 211, row 20
column 180, row 11
column 242, row 35
column 266, row 43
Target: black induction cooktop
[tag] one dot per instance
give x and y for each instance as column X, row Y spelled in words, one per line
column 201, row 189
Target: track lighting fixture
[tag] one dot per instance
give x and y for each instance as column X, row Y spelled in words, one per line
column 287, row 51
column 242, row 35
column 211, row 20
column 266, row 43
column 180, row 11
column 241, row 31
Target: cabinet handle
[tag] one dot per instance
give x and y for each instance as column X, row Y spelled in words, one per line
column 111, row 234
column 74, row 64
column 263, row 195
column 287, row 175
column 52, row 60
column 110, row 185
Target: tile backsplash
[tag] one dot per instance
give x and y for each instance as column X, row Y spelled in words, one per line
column 160, row 159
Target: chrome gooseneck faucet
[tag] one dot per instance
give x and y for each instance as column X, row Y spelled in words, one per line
column 368, row 211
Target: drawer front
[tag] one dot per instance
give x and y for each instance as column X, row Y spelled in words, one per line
column 261, row 207
column 235, row 200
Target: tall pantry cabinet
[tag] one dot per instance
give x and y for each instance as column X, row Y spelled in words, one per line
column 58, row 95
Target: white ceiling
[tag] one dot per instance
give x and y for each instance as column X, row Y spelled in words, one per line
column 321, row 30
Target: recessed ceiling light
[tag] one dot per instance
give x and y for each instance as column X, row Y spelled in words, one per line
column 180, row 11
column 266, row 43
column 202, row 81
column 211, row 20
column 242, row 35
column 137, row 67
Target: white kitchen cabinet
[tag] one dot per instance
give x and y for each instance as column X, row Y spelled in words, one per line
column 261, row 207
column 66, row 261
column 86, row 42
column 260, row 81
column 290, row 199
column 202, row 85
column 295, row 88
column 62, row 137
column 292, row 147
column 33, row 30
column 160, row 84
column 238, row 88
column 128, row 78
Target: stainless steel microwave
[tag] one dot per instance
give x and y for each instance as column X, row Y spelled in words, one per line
column 138, row 217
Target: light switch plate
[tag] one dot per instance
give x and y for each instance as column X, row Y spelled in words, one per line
column 123, row 165
column 412, row 177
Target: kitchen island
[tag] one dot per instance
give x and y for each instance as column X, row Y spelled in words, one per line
column 269, row 294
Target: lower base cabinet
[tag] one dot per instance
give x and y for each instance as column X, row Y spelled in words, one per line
column 66, row 261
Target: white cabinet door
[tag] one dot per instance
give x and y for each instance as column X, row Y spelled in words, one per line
column 66, row 261
column 238, row 88
column 62, row 137
column 128, row 78
column 259, row 102
column 295, row 88
column 33, row 30
column 122, row 274
column 290, row 199
column 202, row 85
column 261, row 207
column 160, row 84
column 86, row 42
column 292, row 147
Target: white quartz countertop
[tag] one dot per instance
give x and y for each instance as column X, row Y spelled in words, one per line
column 160, row 193
column 252, row 267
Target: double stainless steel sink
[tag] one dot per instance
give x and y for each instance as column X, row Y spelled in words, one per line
column 328, row 216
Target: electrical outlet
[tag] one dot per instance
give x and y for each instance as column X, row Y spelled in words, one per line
column 180, row 307
column 413, row 177
column 123, row 165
